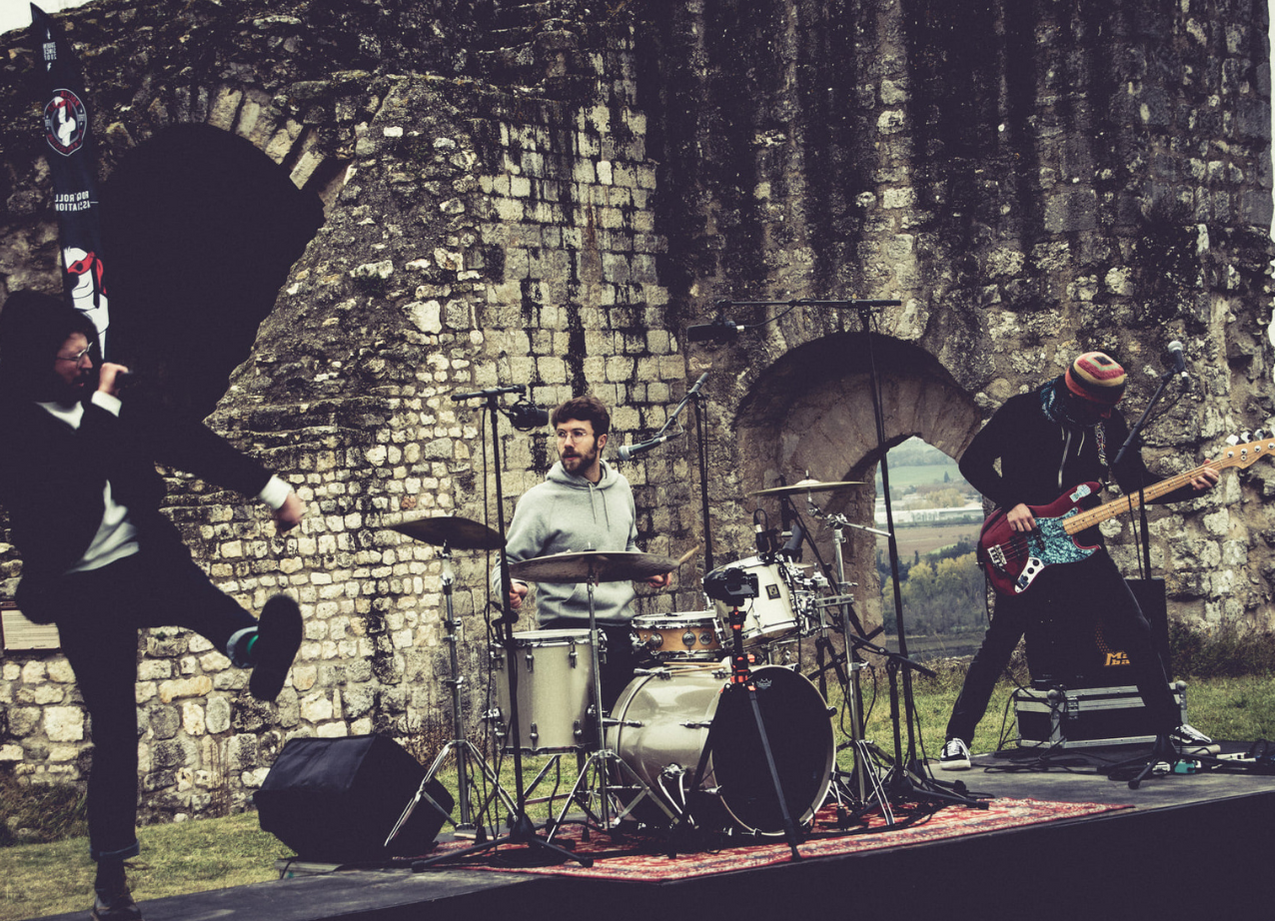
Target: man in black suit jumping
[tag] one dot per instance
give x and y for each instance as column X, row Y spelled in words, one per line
column 78, row 478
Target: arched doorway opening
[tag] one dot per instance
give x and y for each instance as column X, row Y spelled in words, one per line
column 811, row 415
column 201, row 230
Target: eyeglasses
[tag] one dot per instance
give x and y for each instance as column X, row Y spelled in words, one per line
column 79, row 357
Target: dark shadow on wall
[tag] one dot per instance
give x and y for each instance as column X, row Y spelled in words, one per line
column 202, row 229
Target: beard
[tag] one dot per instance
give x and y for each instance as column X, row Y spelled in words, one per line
column 578, row 461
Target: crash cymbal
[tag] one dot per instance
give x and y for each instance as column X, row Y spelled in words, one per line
column 806, row 486
column 456, row 533
column 595, row 565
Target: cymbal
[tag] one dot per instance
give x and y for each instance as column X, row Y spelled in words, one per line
column 457, row 533
column 595, row 565
column 806, row 486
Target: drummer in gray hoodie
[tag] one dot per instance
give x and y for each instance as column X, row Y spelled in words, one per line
column 583, row 504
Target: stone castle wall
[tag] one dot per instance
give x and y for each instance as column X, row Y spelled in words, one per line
column 548, row 195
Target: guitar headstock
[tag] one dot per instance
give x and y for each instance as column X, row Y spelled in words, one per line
column 1240, row 451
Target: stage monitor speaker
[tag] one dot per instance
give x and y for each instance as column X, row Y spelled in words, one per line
column 336, row 800
column 1072, row 647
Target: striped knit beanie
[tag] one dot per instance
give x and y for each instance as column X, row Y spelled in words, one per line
column 1097, row 377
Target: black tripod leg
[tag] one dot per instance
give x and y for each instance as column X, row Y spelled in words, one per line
column 790, row 830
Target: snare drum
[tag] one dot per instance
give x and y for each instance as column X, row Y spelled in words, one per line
column 685, row 636
column 662, row 724
column 770, row 615
column 554, row 669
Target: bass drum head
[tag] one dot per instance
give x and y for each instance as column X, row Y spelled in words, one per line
column 664, row 726
column 799, row 730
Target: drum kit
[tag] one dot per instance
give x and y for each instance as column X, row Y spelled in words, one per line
column 712, row 733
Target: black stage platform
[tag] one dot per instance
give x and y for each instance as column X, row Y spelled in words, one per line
column 1192, row 843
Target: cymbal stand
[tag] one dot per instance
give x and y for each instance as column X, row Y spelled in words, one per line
column 602, row 756
column 461, row 747
column 521, row 829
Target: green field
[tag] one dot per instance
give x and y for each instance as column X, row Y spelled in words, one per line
column 923, row 475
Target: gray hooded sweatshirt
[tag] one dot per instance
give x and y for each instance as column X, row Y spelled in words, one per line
column 568, row 513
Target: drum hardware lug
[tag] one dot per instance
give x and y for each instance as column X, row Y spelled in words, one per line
column 697, row 724
column 832, row 711
column 458, row 681
column 531, row 663
column 571, row 656
column 577, row 730
column 534, row 733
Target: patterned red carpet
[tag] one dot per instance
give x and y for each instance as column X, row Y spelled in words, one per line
column 646, row 859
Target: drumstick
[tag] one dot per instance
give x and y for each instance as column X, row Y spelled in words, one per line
column 687, row 555
column 681, row 561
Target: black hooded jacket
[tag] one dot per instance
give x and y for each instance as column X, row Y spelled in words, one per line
column 1041, row 459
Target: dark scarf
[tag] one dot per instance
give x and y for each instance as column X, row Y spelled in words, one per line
column 1057, row 408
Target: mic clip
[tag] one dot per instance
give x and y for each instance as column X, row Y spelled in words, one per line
column 720, row 330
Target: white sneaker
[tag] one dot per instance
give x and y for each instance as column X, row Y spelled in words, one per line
column 1190, row 741
column 955, row 756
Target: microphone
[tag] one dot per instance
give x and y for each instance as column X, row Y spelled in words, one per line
column 526, row 416
column 792, row 549
column 717, row 331
column 1179, row 361
column 628, row 452
column 765, row 537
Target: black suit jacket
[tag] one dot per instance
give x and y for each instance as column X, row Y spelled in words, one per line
column 52, row 479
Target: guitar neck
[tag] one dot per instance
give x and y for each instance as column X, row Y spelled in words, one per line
column 1099, row 514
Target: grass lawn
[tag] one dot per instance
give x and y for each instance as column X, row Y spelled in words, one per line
column 183, row 857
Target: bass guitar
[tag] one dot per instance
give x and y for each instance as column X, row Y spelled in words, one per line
column 1013, row 559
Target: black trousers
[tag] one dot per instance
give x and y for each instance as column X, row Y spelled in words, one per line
column 1094, row 582
column 103, row 610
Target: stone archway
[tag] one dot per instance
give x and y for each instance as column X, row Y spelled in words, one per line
column 810, row 414
column 204, row 228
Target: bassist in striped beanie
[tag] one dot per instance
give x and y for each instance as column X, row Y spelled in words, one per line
column 1047, row 441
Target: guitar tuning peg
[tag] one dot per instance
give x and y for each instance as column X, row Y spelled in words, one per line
column 1259, row 435
column 1244, row 436
column 1232, row 439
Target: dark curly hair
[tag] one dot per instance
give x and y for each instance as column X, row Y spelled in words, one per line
column 33, row 327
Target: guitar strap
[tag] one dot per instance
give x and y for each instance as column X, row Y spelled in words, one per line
column 1055, row 410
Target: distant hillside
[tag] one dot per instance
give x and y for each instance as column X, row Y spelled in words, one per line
column 916, row 465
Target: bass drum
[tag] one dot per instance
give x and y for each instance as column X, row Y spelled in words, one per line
column 664, row 724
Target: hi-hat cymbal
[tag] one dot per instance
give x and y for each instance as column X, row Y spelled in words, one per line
column 456, row 533
column 592, row 565
column 806, row 486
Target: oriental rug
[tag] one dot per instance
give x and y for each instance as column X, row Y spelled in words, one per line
column 641, row 859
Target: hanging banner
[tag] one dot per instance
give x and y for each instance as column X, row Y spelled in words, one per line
column 72, row 163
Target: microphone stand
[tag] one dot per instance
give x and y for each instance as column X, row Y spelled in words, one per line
column 901, row 780
column 1161, row 749
column 701, row 449
column 1133, row 439
column 521, row 829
